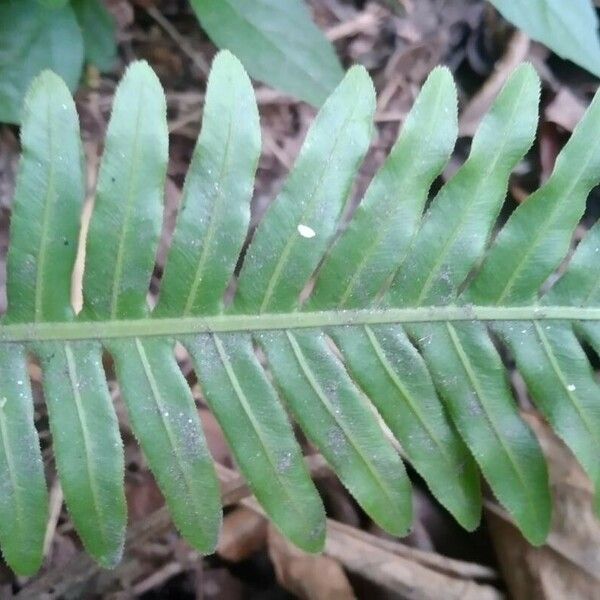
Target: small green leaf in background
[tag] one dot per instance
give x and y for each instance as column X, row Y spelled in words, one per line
column 570, row 29
column 98, row 29
column 277, row 43
column 34, row 38
column 53, row 3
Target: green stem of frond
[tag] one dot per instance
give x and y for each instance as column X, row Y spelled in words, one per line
column 177, row 326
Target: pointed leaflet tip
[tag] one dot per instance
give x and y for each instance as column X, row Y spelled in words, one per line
column 227, row 63
column 516, row 104
column 441, row 79
column 139, row 69
column 529, row 73
column 125, row 225
column 441, row 75
column 357, row 86
column 358, row 77
column 46, row 77
column 48, row 82
column 140, row 73
column 225, row 57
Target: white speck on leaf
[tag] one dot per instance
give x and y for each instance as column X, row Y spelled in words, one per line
column 571, row 387
column 306, row 231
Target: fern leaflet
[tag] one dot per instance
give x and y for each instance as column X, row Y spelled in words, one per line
column 401, row 324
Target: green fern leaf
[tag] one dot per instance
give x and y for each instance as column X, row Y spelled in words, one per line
column 464, row 364
column 388, row 326
column 23, row 495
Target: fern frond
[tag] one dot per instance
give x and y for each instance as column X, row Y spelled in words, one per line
column 402, row 324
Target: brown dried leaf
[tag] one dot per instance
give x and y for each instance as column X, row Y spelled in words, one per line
column 244, row 533
column 566, row 109
column 214, row 438
column 568, row 566
column 307, row 575
column 368, row 556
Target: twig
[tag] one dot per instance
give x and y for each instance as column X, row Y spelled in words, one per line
column 362, row 553
column 516, row 51
column 55, row 502
column 554, row 541
column 183, row 44
column 157, row 578
column 184, row 120
column 73, row 578
column 390, row 564
column 362, row 21
column 443, row 564
column 400, row 7
column 407, row 578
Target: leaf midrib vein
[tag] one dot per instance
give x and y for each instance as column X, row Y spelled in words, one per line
column 472, row 376
column 11, row 470
column 465, row 213
column 314, row 384
column 41, row 259
column 561, row 377
column 388, row 223
column 592, row 292
column 83, row 426
column 541, row 231
column 160, row 407
column 212, row 226
column 380, row 354
column 274, row 279
column 131, row 184
column 239, row 392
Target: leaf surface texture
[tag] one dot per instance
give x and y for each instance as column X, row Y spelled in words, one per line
column 381, row 335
